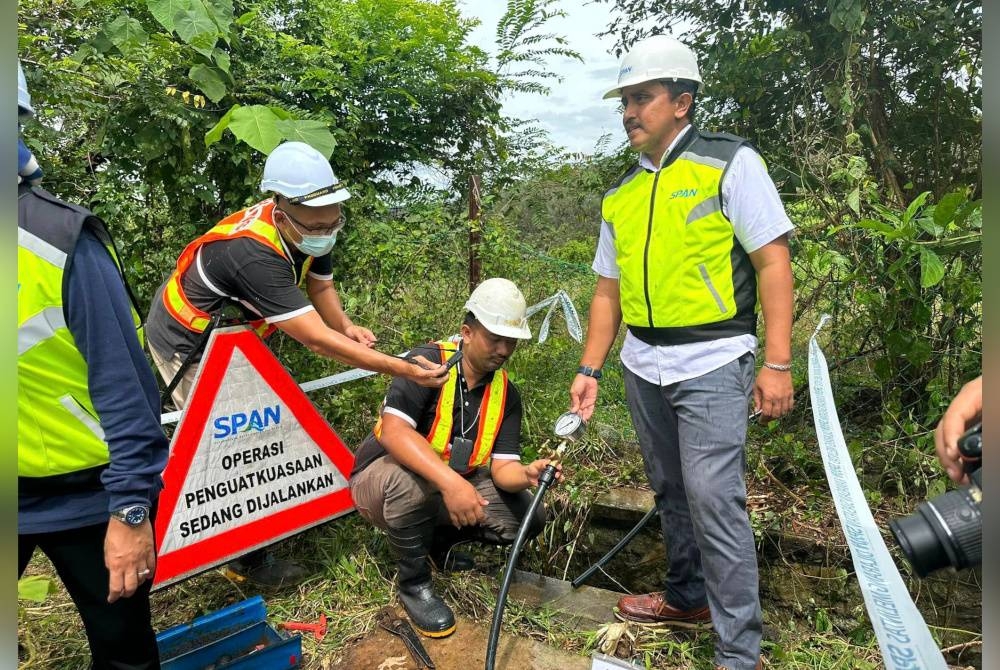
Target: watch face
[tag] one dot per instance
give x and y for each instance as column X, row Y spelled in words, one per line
column 568, row 424
column 135, row 515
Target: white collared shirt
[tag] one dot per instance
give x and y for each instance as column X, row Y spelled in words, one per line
column 750, row 200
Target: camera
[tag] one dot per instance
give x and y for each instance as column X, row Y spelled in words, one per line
column 947, row 530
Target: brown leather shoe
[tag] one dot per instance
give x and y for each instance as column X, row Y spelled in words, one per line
column 759, row 666
column 652, row 609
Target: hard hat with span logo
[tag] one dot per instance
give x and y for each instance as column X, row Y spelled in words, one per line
column 303, row 175
column 24, row 108
column 654, row 58
column 499, row 305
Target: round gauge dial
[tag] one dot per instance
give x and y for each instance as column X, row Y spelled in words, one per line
column 569, row 426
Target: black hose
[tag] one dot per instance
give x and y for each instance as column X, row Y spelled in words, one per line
column 544, row 481
column 614, row 550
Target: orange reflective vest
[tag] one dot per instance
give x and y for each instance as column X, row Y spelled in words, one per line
column 254, row 222
column 490, row 413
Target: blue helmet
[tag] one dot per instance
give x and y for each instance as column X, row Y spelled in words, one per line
column 24, row 108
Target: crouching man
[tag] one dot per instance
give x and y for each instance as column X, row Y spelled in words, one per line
column 444, row 465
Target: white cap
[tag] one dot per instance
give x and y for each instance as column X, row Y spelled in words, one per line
column 654, row 58
column 499, row 305
column 303, row 175
column 24, row 107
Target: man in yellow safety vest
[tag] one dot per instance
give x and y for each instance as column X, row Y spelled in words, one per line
column 444, row 466
column 90, row 448
column 691, row 235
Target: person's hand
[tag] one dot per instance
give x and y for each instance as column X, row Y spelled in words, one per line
column 534, row 470
column 583, row 396
column 963, row 412
column 129, row 557
column 464, row 504
column 773, row 394
column 361, row 335
column 426, row 373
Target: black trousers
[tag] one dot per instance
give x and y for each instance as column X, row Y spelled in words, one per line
column 121, row 633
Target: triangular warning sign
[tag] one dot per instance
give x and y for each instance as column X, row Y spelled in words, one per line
column 252, row 462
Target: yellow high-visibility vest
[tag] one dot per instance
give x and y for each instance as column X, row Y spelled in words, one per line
column 58, row 430
column 490, row 413
column 683, row 275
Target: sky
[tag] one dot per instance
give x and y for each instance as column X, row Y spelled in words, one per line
column 574, row 114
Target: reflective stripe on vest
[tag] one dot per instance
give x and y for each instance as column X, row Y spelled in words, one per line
column 490, row 414
column 255, row 223
column 681, row 267
column 57, row 425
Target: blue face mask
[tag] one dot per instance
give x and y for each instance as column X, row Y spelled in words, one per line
column 317, row 245
column 314, row 245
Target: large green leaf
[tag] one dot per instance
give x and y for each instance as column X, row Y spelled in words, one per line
column 34, row 588
column 931, row 268
column 221, row 12
column 125, row 32
column 215, row 134
column 209, row 80
column 164, row 11
column 192, row 22
column 314, row 133
column 221, row 59
column 257, row 126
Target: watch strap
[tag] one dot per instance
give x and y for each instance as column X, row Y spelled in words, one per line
column 588, row 371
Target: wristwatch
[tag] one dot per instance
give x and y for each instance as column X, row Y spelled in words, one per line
column 588, row 371
column 133, row 515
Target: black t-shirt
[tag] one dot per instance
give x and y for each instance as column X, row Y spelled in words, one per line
column 263, row 284
column 419, row 405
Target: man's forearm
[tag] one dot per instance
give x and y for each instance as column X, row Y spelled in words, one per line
column 776, row 300
column 605, row 320
column 326, row 300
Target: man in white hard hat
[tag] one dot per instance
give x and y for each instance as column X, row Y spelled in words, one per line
column 256, row 260
column 690, row 237
column 444, row 466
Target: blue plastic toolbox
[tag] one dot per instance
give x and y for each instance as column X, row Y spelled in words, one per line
column 237, row 637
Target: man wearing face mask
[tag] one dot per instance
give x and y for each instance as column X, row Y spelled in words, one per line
column 256, row 260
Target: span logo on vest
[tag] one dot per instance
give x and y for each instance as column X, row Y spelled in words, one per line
column 684, row 193
column 258, row 420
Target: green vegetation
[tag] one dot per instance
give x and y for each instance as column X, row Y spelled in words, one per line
column 155, row 114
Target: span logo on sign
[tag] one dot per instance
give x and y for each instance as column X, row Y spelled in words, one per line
column 257, row 420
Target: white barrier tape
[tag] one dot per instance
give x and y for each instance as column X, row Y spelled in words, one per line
column 559, row 299
column 902, row 634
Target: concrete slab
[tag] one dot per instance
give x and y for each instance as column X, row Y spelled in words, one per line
column 464, row 650
column 623, row 504
column 586, row 606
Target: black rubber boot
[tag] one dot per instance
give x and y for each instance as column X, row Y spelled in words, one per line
column 444, row 556
column 429, row 614
column 263, row 568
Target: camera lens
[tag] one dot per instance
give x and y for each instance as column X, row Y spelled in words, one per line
column 947, row 530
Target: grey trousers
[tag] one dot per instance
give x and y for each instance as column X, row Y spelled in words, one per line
column 692, row 435
column 389, row 495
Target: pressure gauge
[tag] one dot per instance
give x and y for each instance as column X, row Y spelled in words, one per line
column 570, row 426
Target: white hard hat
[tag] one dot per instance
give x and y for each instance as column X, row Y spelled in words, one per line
column 499, row 305
column 24, row 107
column 656, row 57
column 303, row 175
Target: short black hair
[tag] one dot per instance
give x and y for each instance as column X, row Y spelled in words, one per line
column 470, row 320
column 676, row 87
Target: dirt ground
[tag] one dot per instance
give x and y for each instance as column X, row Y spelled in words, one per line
column 463, row 650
